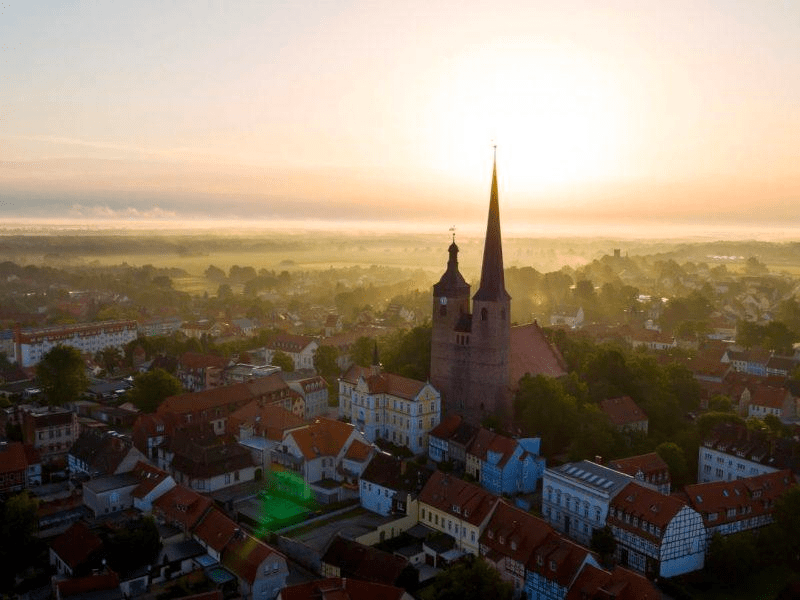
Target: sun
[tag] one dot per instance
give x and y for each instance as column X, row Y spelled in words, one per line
column 556, row 117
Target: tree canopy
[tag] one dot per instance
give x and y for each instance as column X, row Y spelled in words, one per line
column 325, row 358
column 283, row 360
column 469, row 579
column 62, row 375
column 152, row 388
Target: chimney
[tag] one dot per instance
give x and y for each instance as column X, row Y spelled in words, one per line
column 598, row 459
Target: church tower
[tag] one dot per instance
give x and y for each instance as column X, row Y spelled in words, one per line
column 470, row 348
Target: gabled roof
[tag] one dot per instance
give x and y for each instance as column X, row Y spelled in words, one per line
column 194, row 360
column 244, row 556
column 205, row 458
column 76, row 545
column 216, row 530
column 288, row 342
column 182, row 505
column 531, row 353
column 149, row 476
column 748, row 498
column 447, row 427
column 648, row 506
column 13, row 457
column 387, row 471
column 273, row 420
column 86, row 587
column 385, row 383
column 364, row 562
column 341, row 588
column 324, row 437
column 649, row 463
column 558, row 559
column 622, row 411
column 620, row 584
column 358, row 451
column 458, row 498
column 101, row 452
column 514, row 533
column 190, row 402
column 771, row 397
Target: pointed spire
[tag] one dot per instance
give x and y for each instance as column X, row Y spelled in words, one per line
column 493, row 285
column 375, row 359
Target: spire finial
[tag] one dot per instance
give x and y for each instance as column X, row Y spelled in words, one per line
column 453, row 231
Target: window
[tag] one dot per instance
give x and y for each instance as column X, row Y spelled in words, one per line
column 227, row 477
column 484, row 314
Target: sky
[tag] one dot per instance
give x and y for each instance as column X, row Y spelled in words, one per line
column 639, row 116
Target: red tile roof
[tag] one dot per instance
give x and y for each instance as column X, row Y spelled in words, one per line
column 272, row 420
column 747, row 498
column 771, row 397
column 620, row 584
column 558, row 559
column 244, row 556
column 13, row 457
column 324, row 437
column 446, row 492
column 622, row 411
column 365, row 563
column 216, row 530
column 337, row 588
column 448, row 426
column 193, row 360
column 288, row 342
column 514, row 533
column 648, row 506
column 385, row 383
column 358, row 451
column 82, row 586
column 149, row 476
column 76, row 545
column 647, row 464
column 530, row 352
column 183, row 506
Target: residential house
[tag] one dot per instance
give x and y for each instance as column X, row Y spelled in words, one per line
column 385, row 405
column 342, row 588
column 568, row 316
column 781, row 366
column 300, row 348
column 76, row 551
column 242, row 373
column 449, row 440
column 181, row 507
column 51, row 431
column 151, row 431
column 658, row 535
column 314, row 391
column 261, row 570
column 198, row 372
column 620, row 584
column 456, row 508
column 110, row 494
column 105, row 585
column 387, row 483
column 733, row 452
column 624, row 414
column 321, row 453
column 649, row 470
column 20, row 467
column 732, row 506
column 153, row 483
column 213, row 531
column 576, row 497
column 554, row 567
column 504, row 465
column 651, row 339
column 769, row 400
column 101, row 453
column 333, row 325
column 203, row 461
column 348, row 558
column 245, row 327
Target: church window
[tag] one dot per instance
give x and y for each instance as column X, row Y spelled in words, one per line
column 484, row 314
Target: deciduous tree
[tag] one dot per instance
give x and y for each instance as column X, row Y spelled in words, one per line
column 62, row 375
column 152, row 388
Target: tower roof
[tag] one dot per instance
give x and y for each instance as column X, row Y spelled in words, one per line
column 493, row 287
column 452, row 283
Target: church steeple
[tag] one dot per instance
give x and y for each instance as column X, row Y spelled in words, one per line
column 493, row 287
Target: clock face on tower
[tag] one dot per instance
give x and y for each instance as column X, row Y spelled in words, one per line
column 442, row 300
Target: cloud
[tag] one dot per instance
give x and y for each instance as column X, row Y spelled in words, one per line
column 106, row 212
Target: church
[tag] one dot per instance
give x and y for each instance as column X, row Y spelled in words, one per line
column 477, row 357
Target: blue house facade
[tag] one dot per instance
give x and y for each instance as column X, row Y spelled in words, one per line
column 504, row 465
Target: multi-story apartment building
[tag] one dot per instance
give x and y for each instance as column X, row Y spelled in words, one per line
column 648, row 469
column 657, row 535
column 51, row 431
column 732, row 506
column 395, row 408
column 314, row 391
column 733, row 452
column 458, row 508
column 300, row 348
column 576, row 497
column 32, row 344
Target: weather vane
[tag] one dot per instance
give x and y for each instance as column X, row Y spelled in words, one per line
column 453, row 229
